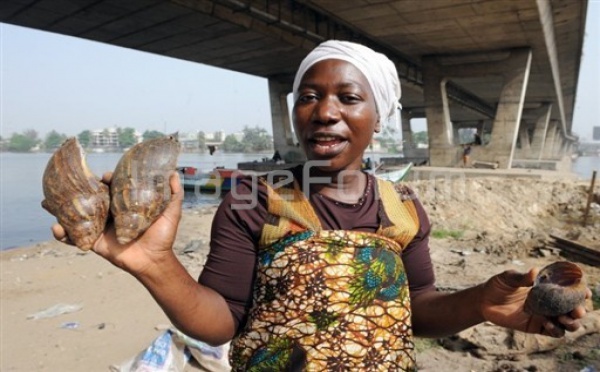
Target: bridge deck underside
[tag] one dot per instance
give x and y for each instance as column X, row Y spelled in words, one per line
column 269, row 38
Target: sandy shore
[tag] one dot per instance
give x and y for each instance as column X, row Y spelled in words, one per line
column 502, row 223
column 118, row 318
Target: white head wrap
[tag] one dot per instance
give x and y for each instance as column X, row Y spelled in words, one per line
column 378, row 69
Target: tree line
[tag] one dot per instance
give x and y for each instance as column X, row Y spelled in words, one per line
column 29, row 140
column 254, row 140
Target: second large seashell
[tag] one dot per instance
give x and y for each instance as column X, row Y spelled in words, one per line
column 140, row 189
column 75, row 196
column 558, row 289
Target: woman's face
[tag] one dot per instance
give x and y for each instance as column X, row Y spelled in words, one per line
column 335, row 115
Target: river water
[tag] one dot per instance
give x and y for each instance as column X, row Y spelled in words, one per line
column 24, row 222
column 22, row 219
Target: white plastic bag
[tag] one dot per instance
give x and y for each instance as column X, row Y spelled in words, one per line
column 171, row 352
column 208, row 358
column 163, row 355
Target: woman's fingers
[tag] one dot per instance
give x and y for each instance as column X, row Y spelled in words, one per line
column 176, row 189
column 107, row 177
column 553, row 330
column 512, row 279
column 60, row 234
column 569, row 323
column 173, row 210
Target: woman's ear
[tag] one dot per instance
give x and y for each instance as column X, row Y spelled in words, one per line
column 378, row 126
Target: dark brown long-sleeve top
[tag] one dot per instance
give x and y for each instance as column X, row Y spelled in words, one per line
column 230, row 267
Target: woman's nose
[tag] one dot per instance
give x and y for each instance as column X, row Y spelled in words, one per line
column 326, row 112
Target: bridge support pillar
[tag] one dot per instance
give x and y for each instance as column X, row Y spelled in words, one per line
column 568, row 148
column 283, row 135
column 539, row 134
column 557, row 146
column 442, row 151
column 525, row 149
column 408, row 143
column 564, row 147
column 501, row 147
column 550, row 140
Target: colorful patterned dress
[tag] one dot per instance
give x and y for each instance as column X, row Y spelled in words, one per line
column 329, row 300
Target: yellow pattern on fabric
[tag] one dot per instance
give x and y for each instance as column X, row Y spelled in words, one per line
column 294, row 211
column 328, row 299
column 402, row 214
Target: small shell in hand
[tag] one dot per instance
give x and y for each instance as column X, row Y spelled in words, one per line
column 140, row 189
column 75, row 196
column 558, row 289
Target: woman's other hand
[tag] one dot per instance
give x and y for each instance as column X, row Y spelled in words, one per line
column 503, row 300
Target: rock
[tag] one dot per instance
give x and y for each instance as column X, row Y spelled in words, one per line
column 545, row 252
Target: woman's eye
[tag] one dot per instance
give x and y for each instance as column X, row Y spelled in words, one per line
column 307, row 97
column 350, row 98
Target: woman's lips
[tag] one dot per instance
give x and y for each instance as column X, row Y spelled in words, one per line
column 327, row 146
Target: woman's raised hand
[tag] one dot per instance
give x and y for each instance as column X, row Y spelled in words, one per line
column 149, row 249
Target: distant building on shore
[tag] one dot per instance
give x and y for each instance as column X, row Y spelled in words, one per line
column 105, row 138
column 108, row 139
column 188, row 141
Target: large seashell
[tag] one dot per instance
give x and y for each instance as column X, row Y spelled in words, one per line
column 558, row 289
column 75, row 196
column 140, row 189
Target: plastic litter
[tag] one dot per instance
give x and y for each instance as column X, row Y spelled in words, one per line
column 55, row 310
column 70, row 325
column 173, row 351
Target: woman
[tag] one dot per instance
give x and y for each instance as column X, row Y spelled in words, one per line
column 311, row 269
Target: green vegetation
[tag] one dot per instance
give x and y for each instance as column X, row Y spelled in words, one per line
column 54, row 140
column 255, row 140
column 231, row 144
column 422, row 344
column 85, row 138
column 420, row 137
column 126, row 137
column 23, row 142
column 151, row 134
column 443, row 234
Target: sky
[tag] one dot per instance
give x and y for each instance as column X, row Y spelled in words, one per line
column 50, row 81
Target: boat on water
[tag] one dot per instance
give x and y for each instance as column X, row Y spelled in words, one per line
column 221, row 180
column 395, row 175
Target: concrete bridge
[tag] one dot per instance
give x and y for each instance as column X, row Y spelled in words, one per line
column 508, row 68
